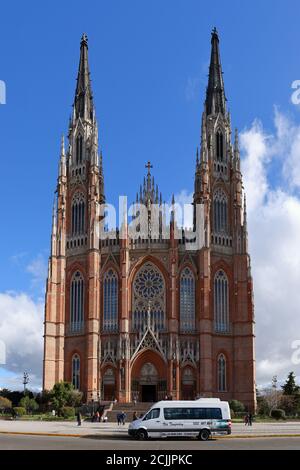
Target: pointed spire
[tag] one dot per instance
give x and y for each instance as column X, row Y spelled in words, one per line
column 197, row 158
column 236, row 150
column 62, row 162
column 203, row 130
column 83, row 103
column 245, row 213
column 54, row 220
column 236, row 140
column 215, row 94
column 101, row 163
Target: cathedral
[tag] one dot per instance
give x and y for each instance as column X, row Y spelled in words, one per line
column 148, row 317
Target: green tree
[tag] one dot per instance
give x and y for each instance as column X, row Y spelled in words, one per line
column 290, row 387
column 236, row 406
column 29, row 404
column 14, row 396
column 63, row 394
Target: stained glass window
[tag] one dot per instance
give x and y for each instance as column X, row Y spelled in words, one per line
column 187, row 301
column 76, row 371
column 222, row 373
column 78, row 214
column 221, row 302
column 77, row 303
column 220, row 211
column 110, row 301
column 148, row 295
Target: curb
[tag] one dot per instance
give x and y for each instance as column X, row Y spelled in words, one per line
column 114, row 436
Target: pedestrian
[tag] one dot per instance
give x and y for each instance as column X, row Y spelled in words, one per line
column 97, row 417
column 246, row 418
column 123, row 417
column 119, row 418
column 250, row 419
column 78, row 418
column 135, row 416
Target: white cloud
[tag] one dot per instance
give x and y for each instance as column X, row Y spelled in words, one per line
column 274, row 229
column 21, row 329
column 38, row 270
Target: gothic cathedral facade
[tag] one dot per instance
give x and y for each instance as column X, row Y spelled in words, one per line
column 141, row 319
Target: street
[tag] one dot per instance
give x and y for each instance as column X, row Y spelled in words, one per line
column 22, row 442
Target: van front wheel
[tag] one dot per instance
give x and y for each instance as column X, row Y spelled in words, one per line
column 142, row 435
column 204, row 435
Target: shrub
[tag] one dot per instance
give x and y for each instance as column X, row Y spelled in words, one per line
column 68, row 412
column 236, row 406
column 278, row 414
column 4, row 403
column 19, row 410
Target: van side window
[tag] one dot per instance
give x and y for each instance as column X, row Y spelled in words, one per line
column 192, row 413
column 214, row 413
column 153, row 414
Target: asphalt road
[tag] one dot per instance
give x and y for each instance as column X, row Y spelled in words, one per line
column 14, row 442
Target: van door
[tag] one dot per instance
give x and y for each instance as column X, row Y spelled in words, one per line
column 152, row 422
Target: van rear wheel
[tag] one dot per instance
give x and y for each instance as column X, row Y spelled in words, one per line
column 204, row 435
column 142, row 435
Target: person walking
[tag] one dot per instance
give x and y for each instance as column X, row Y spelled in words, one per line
column 123, row 417
column 135, row 416
column 246, row 418
column 78, row 418
column 250, row 419
column 119, row 418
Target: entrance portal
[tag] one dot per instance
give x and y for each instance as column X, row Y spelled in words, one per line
column 149, row 393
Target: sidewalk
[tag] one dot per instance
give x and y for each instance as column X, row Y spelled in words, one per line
column 112, row 430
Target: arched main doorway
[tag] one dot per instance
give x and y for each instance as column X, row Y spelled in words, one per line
column 108, row 384
column 148, row 382
column 188, row 384
column 148, row 377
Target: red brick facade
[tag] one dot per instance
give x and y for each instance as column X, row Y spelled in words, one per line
column 214, row 357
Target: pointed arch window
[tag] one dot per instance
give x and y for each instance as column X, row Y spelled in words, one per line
column 187, row 301
column 220, row 211
column 78, row 214
column 76, row 371
column 221, row 302
column 79, row 146
column 110, row 301
column 222, row 379
column 219, row 146
column 148, row 300
column 77, row 303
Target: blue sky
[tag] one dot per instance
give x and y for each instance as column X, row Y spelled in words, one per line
column 149, row 64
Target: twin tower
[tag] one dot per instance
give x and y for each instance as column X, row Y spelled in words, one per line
column 148, row 318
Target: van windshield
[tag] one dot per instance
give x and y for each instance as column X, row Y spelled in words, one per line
column 192, row 413
column 153, row 414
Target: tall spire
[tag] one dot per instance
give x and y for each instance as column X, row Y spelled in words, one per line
column 83, row 103
column 215, row 94
column 62, row 162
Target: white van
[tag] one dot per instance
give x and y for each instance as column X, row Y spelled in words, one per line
column 199, row 418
